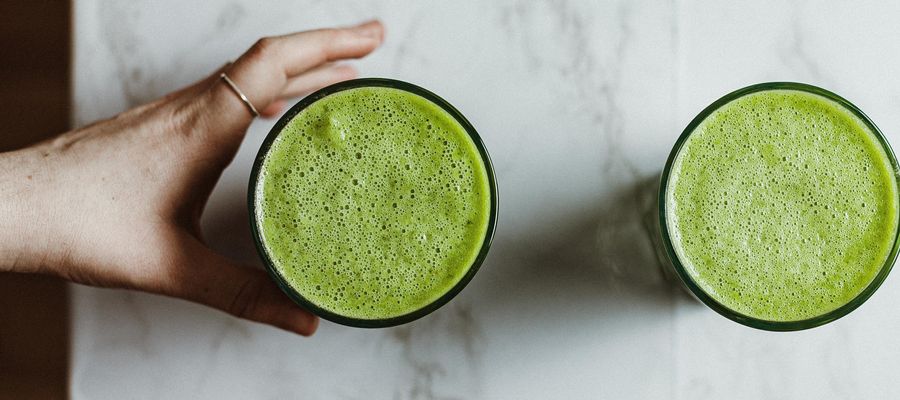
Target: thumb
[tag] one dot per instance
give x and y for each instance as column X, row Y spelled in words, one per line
column 244, row 292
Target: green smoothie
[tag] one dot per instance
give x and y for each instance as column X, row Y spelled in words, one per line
column 782, row 205
column 372, row 202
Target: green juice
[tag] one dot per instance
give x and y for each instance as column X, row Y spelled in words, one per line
column 373, row 202
column 782, row 205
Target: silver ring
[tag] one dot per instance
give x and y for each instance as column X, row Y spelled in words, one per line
column 240, row 94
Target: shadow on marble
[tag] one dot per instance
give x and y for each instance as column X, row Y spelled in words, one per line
column 598, row 265
column 612, row 250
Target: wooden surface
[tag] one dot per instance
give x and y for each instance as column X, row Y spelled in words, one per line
column 34, row 99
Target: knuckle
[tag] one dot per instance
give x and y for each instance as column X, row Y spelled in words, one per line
column 245, row 300
column 184, row 119
column 262, row 47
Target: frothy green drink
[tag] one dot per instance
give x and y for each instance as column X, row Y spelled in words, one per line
column 782, row 205
column 373, row 203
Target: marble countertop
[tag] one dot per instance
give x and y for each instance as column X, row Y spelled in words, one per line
column 579, row 103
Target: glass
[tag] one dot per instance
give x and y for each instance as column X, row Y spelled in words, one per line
column 675, row 267
column 257, row 237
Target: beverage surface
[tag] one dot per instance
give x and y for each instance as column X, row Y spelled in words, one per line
column 373, row 202
column 782, row 205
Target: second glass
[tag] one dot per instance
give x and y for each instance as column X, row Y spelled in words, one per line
column 778, row 206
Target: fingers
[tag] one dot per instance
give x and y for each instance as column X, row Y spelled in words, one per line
column 241, row 291
column 317, row 78
column 264, row 71
column 296, row 53
column 307, row 83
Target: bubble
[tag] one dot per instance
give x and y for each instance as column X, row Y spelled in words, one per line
column 781, row 215
column 378, row 252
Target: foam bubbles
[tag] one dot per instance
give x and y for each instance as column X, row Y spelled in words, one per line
column 387, row 206
column 783, row 205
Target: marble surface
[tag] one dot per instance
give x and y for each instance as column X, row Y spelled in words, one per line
column 579, row 103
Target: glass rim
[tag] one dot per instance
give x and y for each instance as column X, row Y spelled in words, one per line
column 695, row 289
column 276, row 130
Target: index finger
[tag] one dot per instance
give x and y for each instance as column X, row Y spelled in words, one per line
column 262, row 72
column 299, row 52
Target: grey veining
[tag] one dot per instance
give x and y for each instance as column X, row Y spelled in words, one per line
column 579, row 103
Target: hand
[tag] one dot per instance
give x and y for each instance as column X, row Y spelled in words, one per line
column 118, row 203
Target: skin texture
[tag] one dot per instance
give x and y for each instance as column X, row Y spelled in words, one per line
column 118, row 203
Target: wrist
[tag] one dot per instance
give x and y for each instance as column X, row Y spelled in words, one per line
column 25, row 232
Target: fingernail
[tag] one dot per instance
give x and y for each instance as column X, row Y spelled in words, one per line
column 370, row 29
